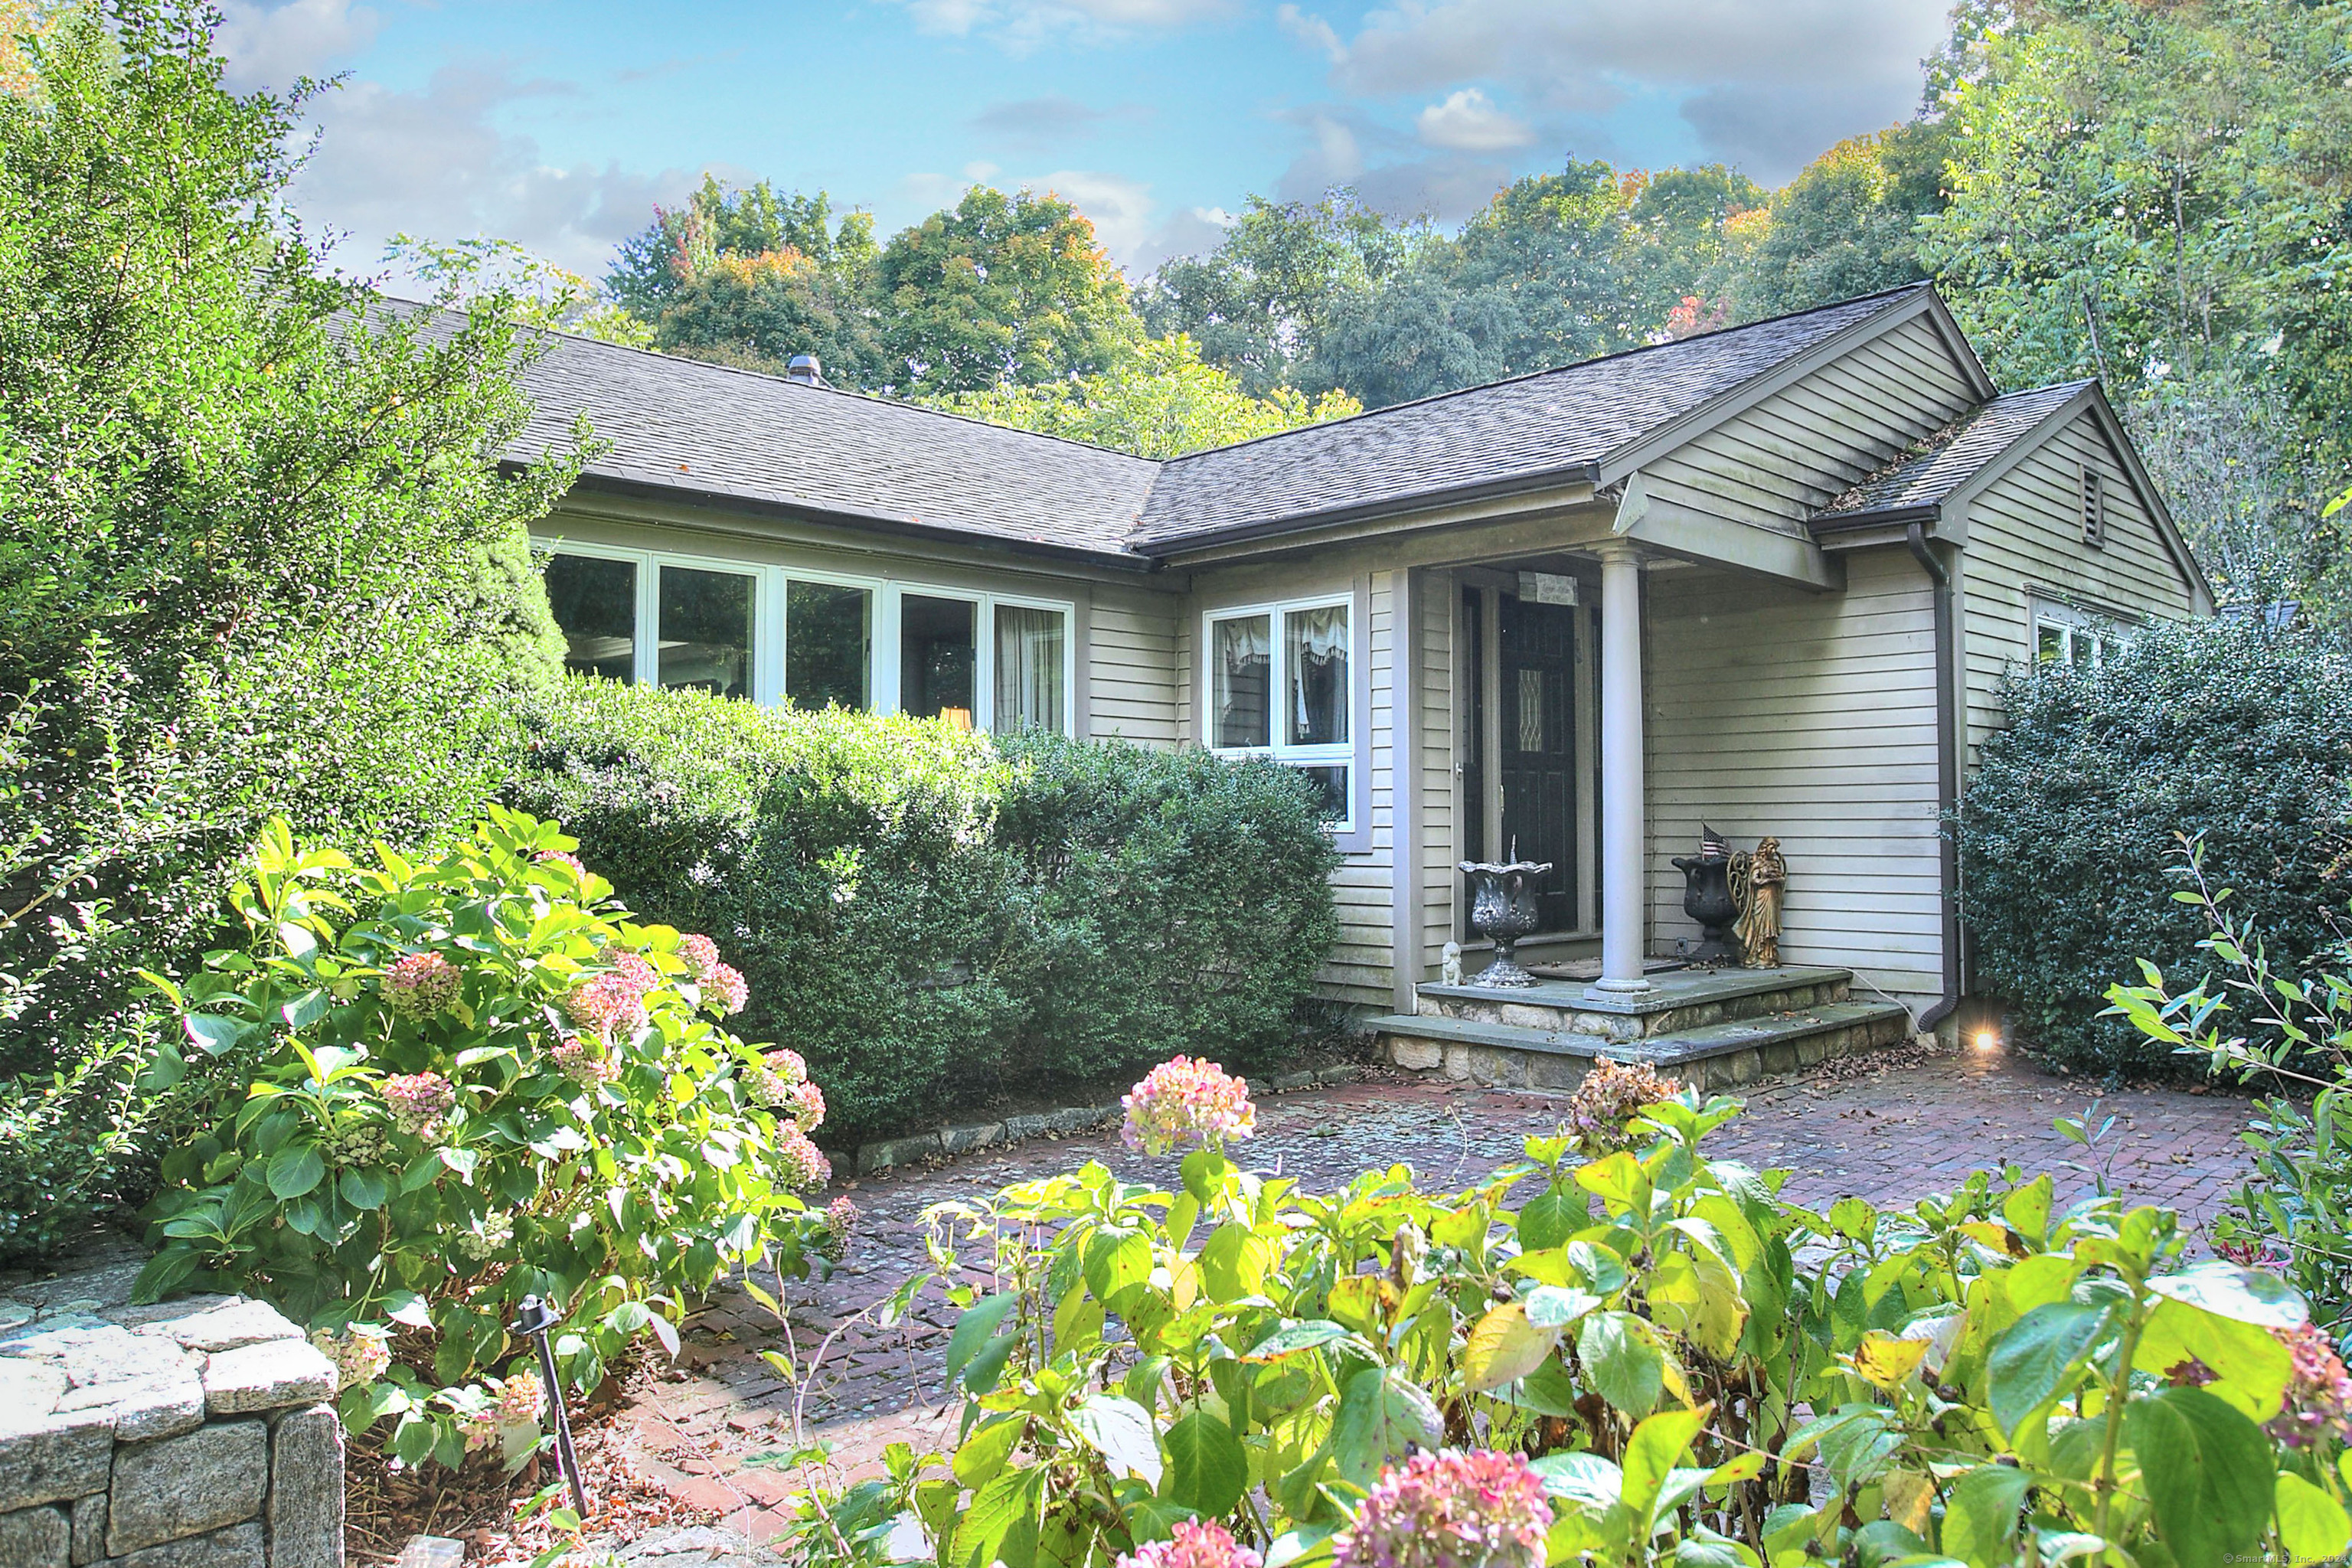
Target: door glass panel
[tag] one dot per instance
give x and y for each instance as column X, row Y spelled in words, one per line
column 1029, row 694
column 1315, row 653
column 1241, row 671
column 705, row 631
column 1538, row 649
column 937, row 657
column 829, row 645
column 596, row 604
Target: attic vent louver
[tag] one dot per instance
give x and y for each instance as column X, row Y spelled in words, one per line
column 805, row 370
column 2094, row 508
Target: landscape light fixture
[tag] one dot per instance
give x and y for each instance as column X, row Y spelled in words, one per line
column 533, row 1319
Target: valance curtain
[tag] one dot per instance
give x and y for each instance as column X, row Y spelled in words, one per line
column 1317, row 653
column 1241, row 667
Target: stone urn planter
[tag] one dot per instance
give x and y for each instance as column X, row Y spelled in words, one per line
column 1503, row 909
column 1707, row 899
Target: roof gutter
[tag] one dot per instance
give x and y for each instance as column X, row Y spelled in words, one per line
column 871, row 522
column 1948, row 772
column 1928, row 513
column 1419, row 501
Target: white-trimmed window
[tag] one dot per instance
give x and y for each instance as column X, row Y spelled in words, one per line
column 778, row 633
column 2064, row 635
column 1280, row 684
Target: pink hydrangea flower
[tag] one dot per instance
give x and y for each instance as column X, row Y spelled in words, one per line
column 1209, row 1545
column 840, row 1224
column 419, row 1100
column 606, row 1004
column 1476, row 1510
column 799, row 1164
column 361, row 1355
column 787, row 1064
column 1611, row 1096
column 519, row 1400
column 2319, row 1394
column 701, row 953
column 586, row 1061
column 421, row 985
column 1185, row 1101
column 806, row 1103
column 558, row 858
column 636, row 969
column 726, row 989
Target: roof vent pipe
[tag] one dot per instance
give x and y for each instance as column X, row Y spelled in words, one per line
column 804, row 369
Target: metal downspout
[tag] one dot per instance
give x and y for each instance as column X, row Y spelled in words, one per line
column 1948, row 773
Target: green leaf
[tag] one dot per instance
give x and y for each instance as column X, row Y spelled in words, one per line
column 1234, row 1262
column 1382, row 1415
column 1551, row 1217
column 1504, row 1348
column 1206, row 1467
column 1622, row 1360
column 2226, row 1291
column 364, row 1189
column 2027, row 1209
column 212, row 1033
column 1651, row 1454
column 1120, row 1430
column 1292, row 1338
column 1554, row 1307
column 1584, row 1477
column 294, row 1170
column 1001, row 1525
column 2040, row 1356
column 1981, row 1515
column 975, row 1328
column 2311, row 1525
column 983, row 1454
column 2209, row 1473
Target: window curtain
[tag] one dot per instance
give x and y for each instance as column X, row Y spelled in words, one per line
column 1317, row 677
column 1240, row 666
column 1029, row 685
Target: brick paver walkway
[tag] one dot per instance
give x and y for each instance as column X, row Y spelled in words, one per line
column 1888, row 1133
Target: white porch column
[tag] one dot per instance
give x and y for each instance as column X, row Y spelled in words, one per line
column 1623, row 893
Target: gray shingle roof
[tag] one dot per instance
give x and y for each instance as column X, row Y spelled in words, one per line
column 710, row 431
column 1927, row 475
column 681, row 424
column 1535, row 425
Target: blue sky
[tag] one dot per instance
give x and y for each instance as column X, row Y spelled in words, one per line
column 561, row 124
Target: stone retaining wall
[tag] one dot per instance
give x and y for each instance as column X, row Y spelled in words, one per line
column 192, row 1434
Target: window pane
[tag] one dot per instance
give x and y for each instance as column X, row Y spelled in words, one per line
column 1241, row 670
column 2052, row 646
column 595, row 604
column 829, row 645
column 937, row 657
column 1316, row 651
column 705, row 631
column 1333, row 783
column 2085, row 650
column 1028, row 669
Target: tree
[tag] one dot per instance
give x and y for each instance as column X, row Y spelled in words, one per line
column 1001, row 289
column 540, row 293
column 720, row 221
column 1162, row 402
column 1262, row 298
column 249, row 507
column 1848, row 223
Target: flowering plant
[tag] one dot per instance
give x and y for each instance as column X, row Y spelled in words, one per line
column 1478, row 1509
column 476, row 1079
column 1601, row 1111
column 1185, row 1102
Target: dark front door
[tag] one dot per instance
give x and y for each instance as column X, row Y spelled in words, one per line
column 1536, row 717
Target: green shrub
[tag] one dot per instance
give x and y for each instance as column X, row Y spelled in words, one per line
column 462, row 1081
column 1652, row 1357
column 930, row 919
column 1180, row 905
column 2221, row 729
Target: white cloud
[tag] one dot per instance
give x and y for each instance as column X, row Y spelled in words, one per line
column 1742, row 67
column 978, row 170
column 1121, row 208
column 1469, row 121
column 268, row 46
column 1023, row 24
column 431, row 164
column 1311, row 30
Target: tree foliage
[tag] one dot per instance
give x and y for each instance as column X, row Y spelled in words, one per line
column 1161, row 403
column 246, row 568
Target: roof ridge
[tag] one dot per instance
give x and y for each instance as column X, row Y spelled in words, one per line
column 1557, row 370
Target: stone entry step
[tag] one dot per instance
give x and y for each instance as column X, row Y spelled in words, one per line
column 1675, row 1003
column 1713, row 1056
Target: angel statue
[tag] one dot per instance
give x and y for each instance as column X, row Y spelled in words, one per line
column 1758, row 881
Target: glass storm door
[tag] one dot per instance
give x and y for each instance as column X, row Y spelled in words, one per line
column 1537, row 720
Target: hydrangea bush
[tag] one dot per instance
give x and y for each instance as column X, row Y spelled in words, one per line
column 475, row 1078
column 1621, row 1352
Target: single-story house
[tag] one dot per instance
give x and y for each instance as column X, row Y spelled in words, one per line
column 1765, row 580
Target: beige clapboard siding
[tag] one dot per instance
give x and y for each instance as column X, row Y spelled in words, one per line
column 1811, row 717
column 2025, row 532
column 1439, row 593
column 1798, row 449
column 1363, row 961
column 1133, row 666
